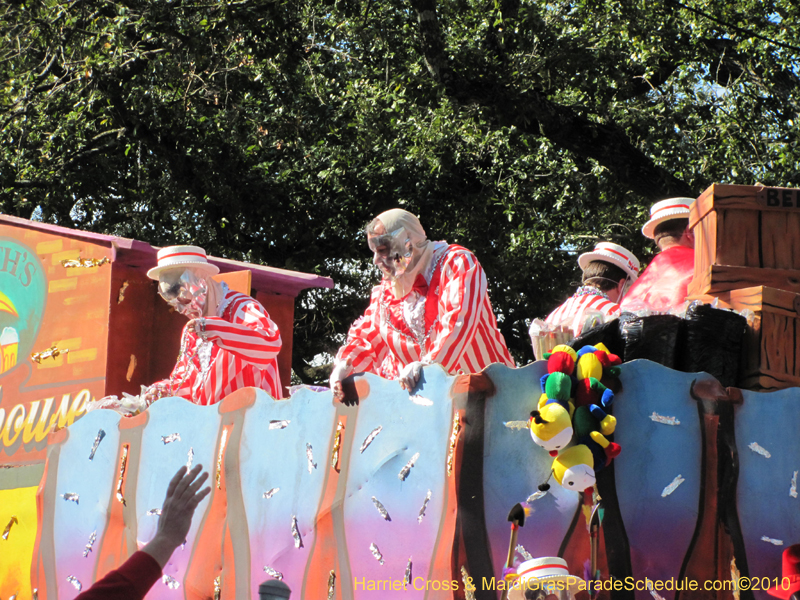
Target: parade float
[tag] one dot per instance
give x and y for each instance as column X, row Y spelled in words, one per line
column 407, row 495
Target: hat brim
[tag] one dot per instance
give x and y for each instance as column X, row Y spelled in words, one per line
column 650, row 227
column 586, row 258
column 205, row 268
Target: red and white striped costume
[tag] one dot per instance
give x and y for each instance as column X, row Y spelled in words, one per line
column 240, row 350
column 574, row 311
column 459, row 332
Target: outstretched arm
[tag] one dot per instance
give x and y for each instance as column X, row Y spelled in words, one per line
column 364, row 349
column 137, row 575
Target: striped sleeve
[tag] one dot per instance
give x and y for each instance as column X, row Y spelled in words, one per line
column 250, row 335
column 183, row 373
column 463, row 288
column 365, row 346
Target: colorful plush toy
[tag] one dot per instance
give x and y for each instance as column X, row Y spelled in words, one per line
column 561, row 359
column 551, row 427
column 558, row 383
column 557, row 420
column 589, row 371
column 556, row 387
column 591, row 425
column 573, row 469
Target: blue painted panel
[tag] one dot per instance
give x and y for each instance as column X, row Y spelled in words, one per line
column 766, row 508
column 514, row 466
column 407, row 429
column 93, row 481
column 277, row 458
column 659, row 529
column 198, row 427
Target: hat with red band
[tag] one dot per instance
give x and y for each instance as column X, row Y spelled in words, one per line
column 548, row 573
column 672, row 208
column 173, row 257
column 790, row 574
column 614, row 254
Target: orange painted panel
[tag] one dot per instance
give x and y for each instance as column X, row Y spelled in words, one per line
column 45, row 303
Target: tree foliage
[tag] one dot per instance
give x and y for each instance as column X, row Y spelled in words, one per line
column 272, row 131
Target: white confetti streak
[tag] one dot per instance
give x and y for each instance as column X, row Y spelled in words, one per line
column 424, row 506
column 407, row 576
column 407, row 469
column 421, row 400
column 75, row 583
column 664, row 420
column 189, row 458
column 298, row 540
column 273, row 573
column 535, row 496
column 672, row 486
column 759, row 450
column 70, row 496
column 279, row 424
column 170, row 582
column 368, row 440
column 90, row 543
column 376, row 553
column 772, row 541
column 653, row 593
column 271, row 493
column 100, row 435
column 793, row 488
column 172, row 437
column 381, row 509
column 516, row 424
column 154, row 512
column 310, row 455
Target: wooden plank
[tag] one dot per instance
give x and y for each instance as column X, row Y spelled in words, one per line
column 723, row 278
column 701, row 207
column 738, row 242
column 780, row 240
column 777, row 343
column 705, row 243
column 770, row 382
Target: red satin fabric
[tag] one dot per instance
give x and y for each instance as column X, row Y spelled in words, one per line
column 664, row 283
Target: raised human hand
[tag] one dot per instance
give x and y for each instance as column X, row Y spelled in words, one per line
column 183, row 496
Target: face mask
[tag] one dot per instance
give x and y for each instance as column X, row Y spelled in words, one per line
column 184, row 291
column 392, row 252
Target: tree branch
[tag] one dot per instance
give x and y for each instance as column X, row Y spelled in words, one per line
column 533, row 113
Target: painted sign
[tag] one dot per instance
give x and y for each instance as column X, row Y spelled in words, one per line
column 54, row 308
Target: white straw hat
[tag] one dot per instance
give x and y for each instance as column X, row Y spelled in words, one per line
column 182, row 256
column 614, row 254
column 549, row 573
column 672, row 208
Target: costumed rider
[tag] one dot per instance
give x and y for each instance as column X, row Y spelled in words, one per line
column 663, row 285
column 607, row 271
column 431, row 306
column 230, row 342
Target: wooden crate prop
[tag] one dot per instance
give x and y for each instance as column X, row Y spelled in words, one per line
column 746, row 236
column 771, row 350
